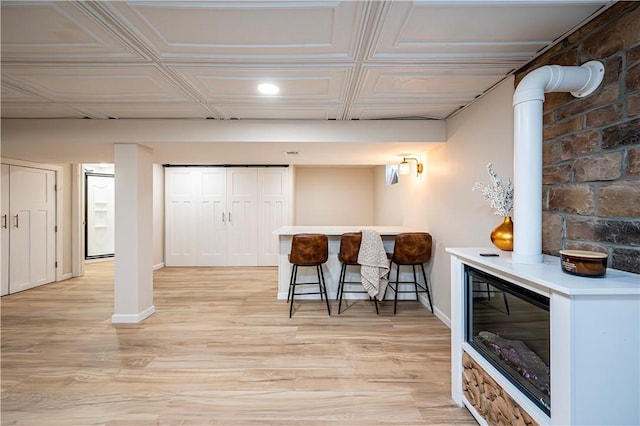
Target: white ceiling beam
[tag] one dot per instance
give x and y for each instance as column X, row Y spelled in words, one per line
column 176, row 131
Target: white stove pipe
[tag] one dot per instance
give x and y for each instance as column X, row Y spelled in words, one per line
column 527, row 181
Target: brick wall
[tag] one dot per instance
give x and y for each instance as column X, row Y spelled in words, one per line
column 591, row 148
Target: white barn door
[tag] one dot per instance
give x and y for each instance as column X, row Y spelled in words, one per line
column 273, row 212
column 224, row 216
column 211, row 217
column 180, row 216
column 242, row 225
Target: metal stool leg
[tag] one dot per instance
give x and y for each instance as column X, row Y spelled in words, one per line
column 415, row 281
column 324, row 287
column 397, row 289
column 319, row 283
column 343, row 271
column 294, row 272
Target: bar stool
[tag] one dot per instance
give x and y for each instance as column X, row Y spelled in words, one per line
column 308, row 250
column 348, row 256
column 411, row 249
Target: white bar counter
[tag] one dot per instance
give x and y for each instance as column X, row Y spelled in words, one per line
column 332, row 267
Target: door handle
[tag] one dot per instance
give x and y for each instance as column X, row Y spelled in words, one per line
column 4, row 221
column 223, row 221
column 229, row 217
column 17, row 224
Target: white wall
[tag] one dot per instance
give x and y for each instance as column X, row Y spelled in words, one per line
column 456, row 216
column 442, row 202
column 334, row 196
column 387, row 200
column 67, row 177
column 158, row 215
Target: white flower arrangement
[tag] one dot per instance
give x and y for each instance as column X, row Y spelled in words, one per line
column 499, row 194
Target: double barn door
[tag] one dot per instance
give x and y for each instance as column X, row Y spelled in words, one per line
column 223, row 216
column 28, row 222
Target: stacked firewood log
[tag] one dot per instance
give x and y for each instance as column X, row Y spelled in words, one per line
column 489, row 399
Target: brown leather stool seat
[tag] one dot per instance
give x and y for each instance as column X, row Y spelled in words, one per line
column 411, row 249
column 348, row 256
column 308, row 250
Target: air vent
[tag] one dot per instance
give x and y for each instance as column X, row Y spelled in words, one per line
column 291, row 153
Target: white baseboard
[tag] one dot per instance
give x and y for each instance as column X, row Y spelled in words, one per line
column 437, row 312
column 132, row 318
column 442, row 317
column 66, row 276
column 158, row 266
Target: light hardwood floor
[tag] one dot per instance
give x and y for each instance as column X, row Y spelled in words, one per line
column 220, row 349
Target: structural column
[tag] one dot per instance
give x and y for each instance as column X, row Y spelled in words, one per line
column 133, row 287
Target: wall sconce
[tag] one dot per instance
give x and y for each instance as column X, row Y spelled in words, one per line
column 405, row 167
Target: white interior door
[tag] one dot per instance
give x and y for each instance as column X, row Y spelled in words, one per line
column 242, row 244
column 181, row 195
column 4, row 229
column 100, row 215
column 211, row 217
column 32, row 242
column 273, row 212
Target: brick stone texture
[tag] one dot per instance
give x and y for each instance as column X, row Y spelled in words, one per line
column 579, row 144
column 552, row 233
column 603, row 231
column 556, row 174
column 591, row 145
column 575, row 199
column 598, row 167
column 625, row 259
column 633, row 164
column 633, row 104
column 621, row 135
column 621, row 199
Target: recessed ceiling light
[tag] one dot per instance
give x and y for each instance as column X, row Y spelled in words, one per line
column 268, row 89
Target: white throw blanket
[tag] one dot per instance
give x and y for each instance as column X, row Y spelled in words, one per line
column 374, row 267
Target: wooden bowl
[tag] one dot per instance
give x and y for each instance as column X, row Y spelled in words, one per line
column 583, row 263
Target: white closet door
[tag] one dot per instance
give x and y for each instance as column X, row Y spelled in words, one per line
column 273, row 212
column 4, row 228
column 32, row 240
column 181, row 195
column 211, row 217
column 242, row 243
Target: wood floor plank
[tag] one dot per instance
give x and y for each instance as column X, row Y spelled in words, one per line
column 219, row 350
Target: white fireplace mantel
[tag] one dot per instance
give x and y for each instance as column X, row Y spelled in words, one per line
column 595, row 339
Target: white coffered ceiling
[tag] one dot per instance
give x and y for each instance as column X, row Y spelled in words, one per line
column 334, row 60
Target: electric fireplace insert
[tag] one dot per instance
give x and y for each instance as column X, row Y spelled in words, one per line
column 509, row 326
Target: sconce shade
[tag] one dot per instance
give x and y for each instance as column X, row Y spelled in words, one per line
column 404, row 168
